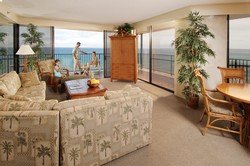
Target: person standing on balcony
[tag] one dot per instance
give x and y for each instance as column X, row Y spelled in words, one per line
column 76, row 59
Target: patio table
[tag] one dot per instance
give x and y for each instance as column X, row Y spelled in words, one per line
column 241, row 94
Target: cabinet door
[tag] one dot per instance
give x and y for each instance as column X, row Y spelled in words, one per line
column 116, row 46
column 128, row 50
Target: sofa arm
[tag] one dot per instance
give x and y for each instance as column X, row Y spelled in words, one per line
column 104, row 130
column 30, row 137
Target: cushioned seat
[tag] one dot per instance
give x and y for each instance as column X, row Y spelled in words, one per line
column 26, row 85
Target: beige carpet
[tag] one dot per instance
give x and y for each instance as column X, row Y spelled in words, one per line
column 177, row 138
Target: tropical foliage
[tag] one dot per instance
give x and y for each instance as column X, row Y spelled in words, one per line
column 124, row 29
column 3, row 51
column 13, row 107
column 74, row 155
column 76, row 122
column 21, row 139
column 127, row 110
column 104, row 146
column 192, row 49
column 43, row 151
column 125, row 136
column 116, row 132
column 7, row 148
column 35, row 39
column 87, row 142
column 101, row 114
column 134, row 126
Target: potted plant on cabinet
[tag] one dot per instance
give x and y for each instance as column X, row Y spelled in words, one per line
column 124, row 30
column 192, row 49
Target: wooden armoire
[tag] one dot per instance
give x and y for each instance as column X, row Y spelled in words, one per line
column 123, row 58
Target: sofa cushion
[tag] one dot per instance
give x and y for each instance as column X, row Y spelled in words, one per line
column 12, row 82
column 3, row 89
column 14, row 105
column 46, row 66
column 36, row 92
column 29, row 79
column 77, row 102
column 17, row 97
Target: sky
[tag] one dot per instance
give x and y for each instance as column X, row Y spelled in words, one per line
column 240, row 33
column 88, row 39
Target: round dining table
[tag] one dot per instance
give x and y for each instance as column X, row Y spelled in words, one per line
column 238, row 92
column 241, row 94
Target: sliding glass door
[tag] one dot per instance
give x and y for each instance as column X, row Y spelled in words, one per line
column 6, row 48
column 107, row 52
column 143, row 57
column 239, row 44
column 163, row 58
column 156, row 58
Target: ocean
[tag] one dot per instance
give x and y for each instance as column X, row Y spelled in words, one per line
column 65, row 56
column 163, row 59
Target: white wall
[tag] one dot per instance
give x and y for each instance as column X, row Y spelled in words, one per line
column 218, row 26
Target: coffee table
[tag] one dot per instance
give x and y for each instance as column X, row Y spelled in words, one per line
column 79, row 89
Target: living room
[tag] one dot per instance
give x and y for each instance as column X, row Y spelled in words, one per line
column 134, row 106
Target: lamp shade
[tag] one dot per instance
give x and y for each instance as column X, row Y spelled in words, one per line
column 25, row 50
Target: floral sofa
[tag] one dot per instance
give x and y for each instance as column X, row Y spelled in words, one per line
column 25, row 86
column 92, row 131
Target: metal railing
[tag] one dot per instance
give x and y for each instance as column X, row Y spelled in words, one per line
column 163, row 63
column 241, row 63
column 6, row 62
column 67, row 60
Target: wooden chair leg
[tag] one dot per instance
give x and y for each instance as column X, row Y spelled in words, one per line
column 205, row 129
column 202, row 116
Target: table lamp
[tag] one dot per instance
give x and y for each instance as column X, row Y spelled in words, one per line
column 25, row 50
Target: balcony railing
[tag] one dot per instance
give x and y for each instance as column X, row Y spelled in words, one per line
column 161, row 63
column 241, row 63
column 6, row 62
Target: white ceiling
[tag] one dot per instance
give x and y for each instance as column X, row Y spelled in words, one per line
column 101, row 11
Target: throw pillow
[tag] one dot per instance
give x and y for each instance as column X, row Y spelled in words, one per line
column 17, row 97
column 29, row 79
column 3, row 89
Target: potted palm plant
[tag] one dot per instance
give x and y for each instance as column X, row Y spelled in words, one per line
column 192, row 49
column 35, row 39
column 3, row 50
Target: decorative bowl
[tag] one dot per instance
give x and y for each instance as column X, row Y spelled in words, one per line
column 92, row 85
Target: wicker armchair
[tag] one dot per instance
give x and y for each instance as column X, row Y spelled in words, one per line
column 220, row 110
column 46, row 70
column 232, row 75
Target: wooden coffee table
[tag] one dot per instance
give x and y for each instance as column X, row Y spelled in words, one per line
column 79, row 89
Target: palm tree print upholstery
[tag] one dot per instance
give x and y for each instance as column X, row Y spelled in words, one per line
column 111, row 132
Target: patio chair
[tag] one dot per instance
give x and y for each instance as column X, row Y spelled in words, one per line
column 220, row 110
column 232, row 75
column 46, row 71
column 96, row 68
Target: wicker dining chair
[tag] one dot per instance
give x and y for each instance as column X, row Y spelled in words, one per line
column 232, row 75
column 220, row 110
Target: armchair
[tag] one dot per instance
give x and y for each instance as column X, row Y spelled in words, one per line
column 220, row 110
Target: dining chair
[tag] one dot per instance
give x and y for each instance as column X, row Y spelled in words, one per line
column 219, row 110
column 232, row 75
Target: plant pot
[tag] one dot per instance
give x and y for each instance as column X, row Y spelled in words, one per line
column 193, row 101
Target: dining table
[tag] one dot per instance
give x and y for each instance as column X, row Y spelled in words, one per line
column 239, row 93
